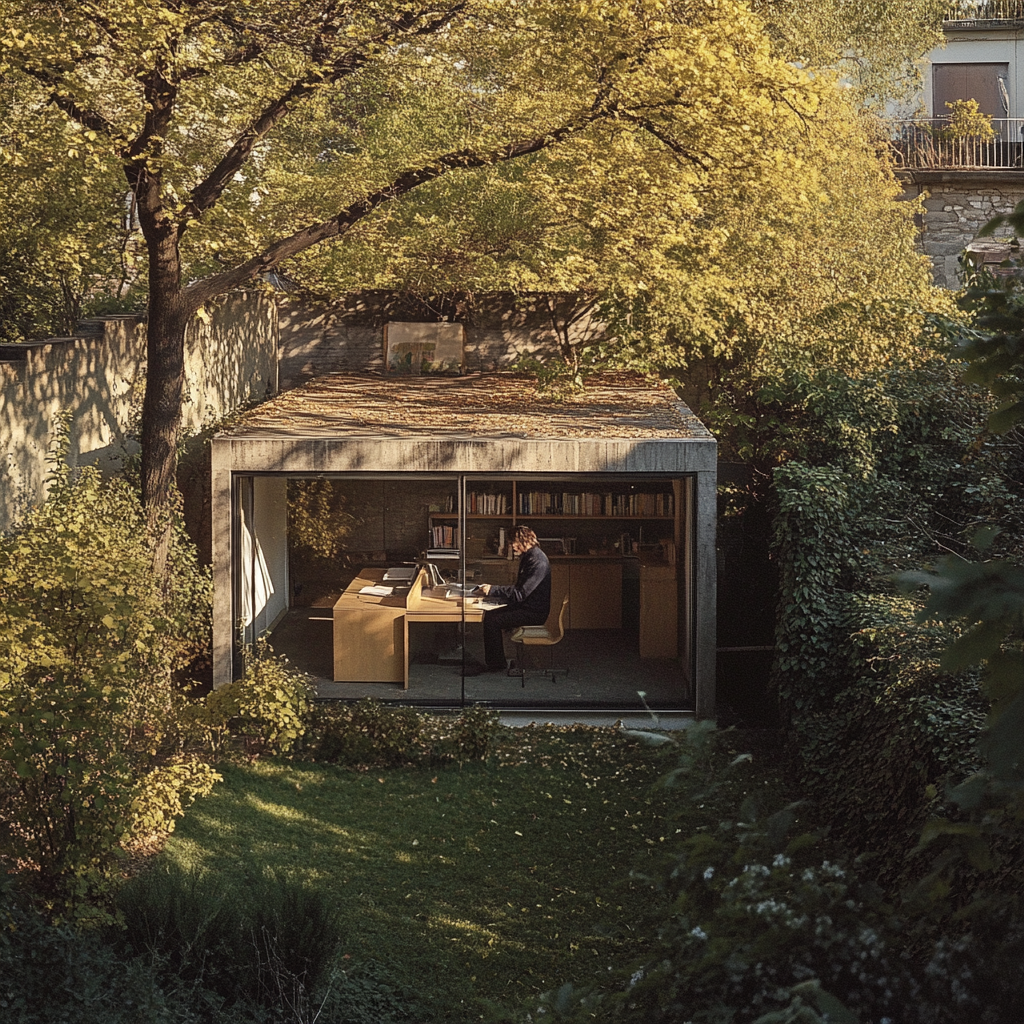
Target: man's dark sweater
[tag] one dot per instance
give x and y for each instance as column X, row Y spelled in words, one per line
column 527, row 603
column 532, row 589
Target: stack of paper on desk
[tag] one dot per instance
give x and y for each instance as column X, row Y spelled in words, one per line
column 400, row 572
column 377, row 591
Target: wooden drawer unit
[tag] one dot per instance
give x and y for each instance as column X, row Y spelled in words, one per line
column 659, row 615
column 595, row 594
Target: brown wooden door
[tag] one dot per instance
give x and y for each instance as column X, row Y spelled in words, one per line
column 981, row 82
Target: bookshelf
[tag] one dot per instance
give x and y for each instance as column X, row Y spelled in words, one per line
column 586, row 530
column 605, row 520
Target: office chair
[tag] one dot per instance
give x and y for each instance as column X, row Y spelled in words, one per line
column 540, row 636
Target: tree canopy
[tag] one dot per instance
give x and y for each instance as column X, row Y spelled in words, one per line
column 876, row 45
column 244, row 135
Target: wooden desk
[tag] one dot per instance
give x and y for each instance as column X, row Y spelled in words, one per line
column 371, row 634
column 369, row 644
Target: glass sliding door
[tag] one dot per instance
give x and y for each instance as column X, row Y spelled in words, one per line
column 377, row 569
column 620, row 588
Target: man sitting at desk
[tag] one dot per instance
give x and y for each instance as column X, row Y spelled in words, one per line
column 527, row 603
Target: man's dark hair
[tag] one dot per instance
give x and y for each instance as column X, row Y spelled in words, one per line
column 525, row 536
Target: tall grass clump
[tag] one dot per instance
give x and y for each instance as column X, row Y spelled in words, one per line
column 275, row 953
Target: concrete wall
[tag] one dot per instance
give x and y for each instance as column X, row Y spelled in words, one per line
column 696, row 457
column 348, row 337
column 957, row 205
column 98, row 377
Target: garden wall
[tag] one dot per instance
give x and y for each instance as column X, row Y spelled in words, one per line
column 98, row 376
column 348, row 336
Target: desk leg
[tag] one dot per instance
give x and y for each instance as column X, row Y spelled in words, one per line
column 405, row 626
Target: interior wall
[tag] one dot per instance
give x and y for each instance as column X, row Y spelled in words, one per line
column 271, row 523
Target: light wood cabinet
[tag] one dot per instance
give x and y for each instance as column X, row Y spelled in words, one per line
column 595, row 594
column 659, row 616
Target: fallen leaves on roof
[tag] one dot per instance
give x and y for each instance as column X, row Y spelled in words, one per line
column 494, row 405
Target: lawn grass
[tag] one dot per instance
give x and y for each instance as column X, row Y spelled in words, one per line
column 477, row 886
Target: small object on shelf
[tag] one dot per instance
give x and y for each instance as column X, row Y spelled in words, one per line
column 552, row 545
column 443, row 553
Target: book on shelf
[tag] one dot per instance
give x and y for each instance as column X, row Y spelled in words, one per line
column 445, row 536
column 488, row 504
column 594, row 504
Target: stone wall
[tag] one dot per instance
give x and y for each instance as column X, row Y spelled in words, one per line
column 348, row 337
column 98, row 376
column 957, row 204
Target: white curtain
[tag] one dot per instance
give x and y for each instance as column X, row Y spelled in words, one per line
column 257, row 586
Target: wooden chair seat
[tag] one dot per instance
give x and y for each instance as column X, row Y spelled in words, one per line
column 540, row 636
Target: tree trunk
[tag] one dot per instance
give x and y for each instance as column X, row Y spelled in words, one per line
column 169, row 315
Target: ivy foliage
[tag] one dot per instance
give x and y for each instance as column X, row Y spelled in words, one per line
column 985, row 599
column 89, row 639
column 894, row 469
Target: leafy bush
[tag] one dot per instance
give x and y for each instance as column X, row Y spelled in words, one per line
column 53, row 974
column 755, row 916
column 87, row 648
column 371, row 733
column 762, row 923
column 893, row 472
column 267, row 708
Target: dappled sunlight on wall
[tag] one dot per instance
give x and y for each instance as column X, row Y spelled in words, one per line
column 99, row 375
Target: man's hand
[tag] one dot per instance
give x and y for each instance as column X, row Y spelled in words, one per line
column 484, row 588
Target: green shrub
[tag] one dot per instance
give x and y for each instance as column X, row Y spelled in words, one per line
column 53, row 974
column 87, row 707
column 893, row 473
column 371, row 733
column 761, row 923
column 266, row 709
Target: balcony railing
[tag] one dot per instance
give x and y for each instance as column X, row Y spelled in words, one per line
column 928, row 144
column 961, row 13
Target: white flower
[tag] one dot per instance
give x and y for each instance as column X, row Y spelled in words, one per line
column 708, row 874
column 699, row 933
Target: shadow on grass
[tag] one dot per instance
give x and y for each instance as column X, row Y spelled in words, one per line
column 477, row 885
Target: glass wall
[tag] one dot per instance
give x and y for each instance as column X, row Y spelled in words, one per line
column 375, row 568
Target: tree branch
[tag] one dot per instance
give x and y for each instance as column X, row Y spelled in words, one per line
column 208, row 192
column 91, row 119
column 463, row 160
column 651, row 128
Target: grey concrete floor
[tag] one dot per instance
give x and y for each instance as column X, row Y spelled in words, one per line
column 605, row 669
